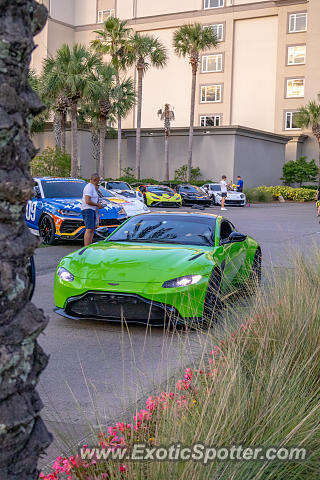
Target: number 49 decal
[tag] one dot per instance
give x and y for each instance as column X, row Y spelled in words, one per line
column 31, row 210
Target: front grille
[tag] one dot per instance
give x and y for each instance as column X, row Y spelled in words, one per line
column 165, row 204
column 105, row 222
column 117, row 306
column 234, row 202
column 69, row 226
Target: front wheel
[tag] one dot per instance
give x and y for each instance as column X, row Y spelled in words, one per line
column 212, row 302
column 47, row 230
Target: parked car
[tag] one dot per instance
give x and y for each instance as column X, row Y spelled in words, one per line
column 132, row 206
column 192, row 195
column 55, row 211
column 123, row 188
column 158, row 267
column 160, row 196
column 234, row 198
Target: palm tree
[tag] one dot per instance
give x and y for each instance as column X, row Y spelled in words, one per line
column 189, row 41
column 69, row 74
column 147, row 51
column 309, row 116
column 113, row 41
column 24, row 437
column 167, row 116
column 39, row 121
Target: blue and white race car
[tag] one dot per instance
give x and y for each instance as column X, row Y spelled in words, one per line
column 55, row 211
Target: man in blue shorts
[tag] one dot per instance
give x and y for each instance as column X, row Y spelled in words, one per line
column 90, row 206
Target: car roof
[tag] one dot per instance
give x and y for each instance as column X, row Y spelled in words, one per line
column 60, row 178
column 198, row 214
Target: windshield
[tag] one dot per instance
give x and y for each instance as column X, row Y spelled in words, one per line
column 63, row 188
column 215, row 188
column 105, row 193
column 177, row 229
column 118, row 186
column 190, row 189
column 160, row 190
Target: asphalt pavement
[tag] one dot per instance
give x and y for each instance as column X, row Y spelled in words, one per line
column 97, row 370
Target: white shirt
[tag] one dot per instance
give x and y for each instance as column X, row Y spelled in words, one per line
column 91, row 191
column 223, row 186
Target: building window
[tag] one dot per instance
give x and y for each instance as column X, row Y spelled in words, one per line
column 210, row 120
column 217, row 30
column 297, row 55
column 212, row 63
column 297, row 22
column 213, row 3
column 295, row 87
column 211, row 94
column 103, row 15
column 290, row 121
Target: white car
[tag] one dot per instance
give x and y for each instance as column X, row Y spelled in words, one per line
column 233, row 198
column 132, row 206
column 122, row 188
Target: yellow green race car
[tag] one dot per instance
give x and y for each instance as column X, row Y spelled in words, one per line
column 160, row 196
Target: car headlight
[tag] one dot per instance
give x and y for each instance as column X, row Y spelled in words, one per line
column 65, row 275
column 241, row 195
column 139, row 195
column 182, row 281
column 122, row 211
column 153, row 195
column 69, row 213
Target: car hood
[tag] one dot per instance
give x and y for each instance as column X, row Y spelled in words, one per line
column 74, row 204
column 138, row 263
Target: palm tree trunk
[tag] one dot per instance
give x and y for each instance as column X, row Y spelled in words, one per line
column 103, row 129
column 166, row 156
column 190, row 144
column 95, row 141
column 119, row 159
column 57, row 129
column 63, row 131
column 138, row 134
column 75, row 170
column 319, row 166
column 23, row 436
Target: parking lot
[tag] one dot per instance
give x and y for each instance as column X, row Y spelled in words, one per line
column 103, row 367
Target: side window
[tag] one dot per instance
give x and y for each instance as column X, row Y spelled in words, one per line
column 225, row 229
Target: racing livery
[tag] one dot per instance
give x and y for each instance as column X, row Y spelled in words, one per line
column 160, row 196
column 122, row 188
column 158, row 267
column 55, row 211
column 131, row 205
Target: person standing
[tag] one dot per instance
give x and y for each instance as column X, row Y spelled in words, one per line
column 224, row 190
column 317, row 199
column 239, row 184
column 89, row 207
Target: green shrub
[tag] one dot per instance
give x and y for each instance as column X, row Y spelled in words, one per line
column 51, row 162
column 180, row 174
column 299, row 171
column 254, row 195
column 290, row 193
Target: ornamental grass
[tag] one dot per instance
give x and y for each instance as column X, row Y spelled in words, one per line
column 259, row 386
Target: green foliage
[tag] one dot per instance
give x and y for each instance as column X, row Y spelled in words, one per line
column 299, row 171
column 254, row 195
column 190, row 40
column 128, row 172
column 180, row 174
column 51, row 162
column 290, row 193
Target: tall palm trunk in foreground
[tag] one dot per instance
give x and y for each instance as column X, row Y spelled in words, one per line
column 23, row 435
column 139, row 112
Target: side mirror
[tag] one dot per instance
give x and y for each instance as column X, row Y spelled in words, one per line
column 37, row 193
column 237, row 237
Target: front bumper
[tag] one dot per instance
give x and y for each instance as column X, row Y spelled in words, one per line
column 119, row 306
column 231, row 202
column 70, row 229
column 197, row 201
column 164, row 203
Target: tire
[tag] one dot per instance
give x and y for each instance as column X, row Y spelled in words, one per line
column 254, row 279
column 47, row 230
column 212, row 303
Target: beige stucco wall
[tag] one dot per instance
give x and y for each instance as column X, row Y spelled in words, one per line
column 63, row 10
column 106, row 4
column 85, row 12
column 146, row 7
column 56, row 32
column 41, row 42
column 254, row 74
column 124, row 9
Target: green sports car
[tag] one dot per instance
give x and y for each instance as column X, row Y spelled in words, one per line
column 157, row 268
